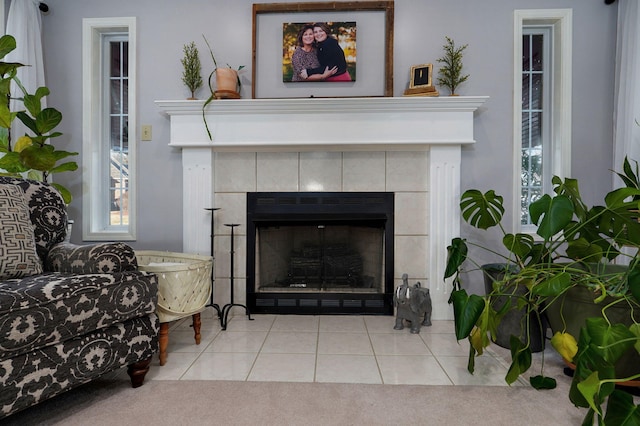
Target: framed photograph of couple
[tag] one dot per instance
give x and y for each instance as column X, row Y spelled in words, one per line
column 322, row 49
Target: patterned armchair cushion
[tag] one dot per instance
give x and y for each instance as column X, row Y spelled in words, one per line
column 18, row 256
column 36, row 375
column 47, row 211
column 46, row 309
column 103, row 258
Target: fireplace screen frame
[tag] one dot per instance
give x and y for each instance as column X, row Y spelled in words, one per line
column 318, row 208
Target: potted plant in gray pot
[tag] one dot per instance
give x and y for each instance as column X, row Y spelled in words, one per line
column 573, row 251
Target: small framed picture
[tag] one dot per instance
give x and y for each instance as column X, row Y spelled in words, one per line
column 420, row 76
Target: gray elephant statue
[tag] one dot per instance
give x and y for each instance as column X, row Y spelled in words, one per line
column 412, row 304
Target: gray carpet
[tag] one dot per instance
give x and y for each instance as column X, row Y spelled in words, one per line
column 111, row 401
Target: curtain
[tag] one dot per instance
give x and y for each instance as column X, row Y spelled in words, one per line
column 25, row 25
column 627, row 87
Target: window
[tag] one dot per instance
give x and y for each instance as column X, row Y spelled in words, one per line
column 109, row 105
column 542, row 105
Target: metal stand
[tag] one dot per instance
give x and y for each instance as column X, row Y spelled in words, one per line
column 228, row 306
column 213, row 279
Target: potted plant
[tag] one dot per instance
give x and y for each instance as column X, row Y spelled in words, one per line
column 573, row 251
column 191, row 73
column 30, row 154
column 228, row 84
column 450, row 74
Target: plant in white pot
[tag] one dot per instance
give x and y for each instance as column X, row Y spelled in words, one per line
column 228, row 84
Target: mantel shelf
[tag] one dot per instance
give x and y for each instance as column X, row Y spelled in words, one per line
column 323, row 105
column 323, row 124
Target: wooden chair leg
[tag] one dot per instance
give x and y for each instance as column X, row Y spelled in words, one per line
column 196, row 327
column 163, row 340
column 137, row 371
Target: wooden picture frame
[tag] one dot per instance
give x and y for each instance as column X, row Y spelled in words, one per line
column 375, row 52
column 421, row 76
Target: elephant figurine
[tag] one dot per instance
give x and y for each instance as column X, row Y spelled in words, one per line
column 412, row 304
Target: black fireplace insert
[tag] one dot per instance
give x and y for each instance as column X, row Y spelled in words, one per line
column 320, row 252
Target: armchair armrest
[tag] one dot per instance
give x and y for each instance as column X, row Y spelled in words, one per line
column 102, row 258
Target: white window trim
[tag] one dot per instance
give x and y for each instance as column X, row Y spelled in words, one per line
column 95, row 227
column 562, row 22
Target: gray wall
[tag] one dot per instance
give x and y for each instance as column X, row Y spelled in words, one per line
column 420, row 27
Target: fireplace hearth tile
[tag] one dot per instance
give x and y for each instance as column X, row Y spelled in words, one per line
column 272, row 367
column 347, row 369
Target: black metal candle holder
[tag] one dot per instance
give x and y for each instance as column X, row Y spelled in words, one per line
column 213, row 278
column 227, row 308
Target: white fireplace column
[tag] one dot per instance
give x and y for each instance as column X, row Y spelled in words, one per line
column 439, row 125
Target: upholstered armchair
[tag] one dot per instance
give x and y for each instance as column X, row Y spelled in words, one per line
column 68, row 313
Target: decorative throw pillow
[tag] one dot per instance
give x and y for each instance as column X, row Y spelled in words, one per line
column 18, row 257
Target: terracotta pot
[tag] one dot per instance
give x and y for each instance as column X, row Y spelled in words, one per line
column 226, row 79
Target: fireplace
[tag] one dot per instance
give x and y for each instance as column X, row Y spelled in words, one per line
column 408, row 146
column 320, row 252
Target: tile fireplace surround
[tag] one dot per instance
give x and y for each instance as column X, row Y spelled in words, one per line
column 407, row 145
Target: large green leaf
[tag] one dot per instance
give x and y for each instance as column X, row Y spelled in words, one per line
column 542, row 382
column 47, row 120
column 456, row 255
column 519, row 244
column 7, row 44
column 27, row 121
column 551, row 215
column 520, row 359
column 621, row 410
column 38, row 157
column 590, row 389
column 66, row 194
column 617, row 197
column 587, row 360
column 552, row 285
column 65, row 167
column 612, row 340
column 583, row 250
column 466, row 311
column 12, row 163
column 481, row 210
column 5, row 116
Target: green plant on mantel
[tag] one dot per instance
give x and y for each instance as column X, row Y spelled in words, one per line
column 450, row 73
column 31, row 154
column 191, row 73
column 212, row 97
column 570, row 257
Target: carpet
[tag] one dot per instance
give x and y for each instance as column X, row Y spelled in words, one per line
column 112, row 401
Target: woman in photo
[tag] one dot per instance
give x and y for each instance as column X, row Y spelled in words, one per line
column 329, row 54
column 306, row 57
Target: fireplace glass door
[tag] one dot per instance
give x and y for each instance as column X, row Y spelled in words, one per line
column 344, row 258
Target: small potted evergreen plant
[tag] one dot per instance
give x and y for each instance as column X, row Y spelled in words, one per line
column 191, row 74
column 450, row 73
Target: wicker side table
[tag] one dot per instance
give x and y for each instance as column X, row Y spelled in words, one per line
column 183, row 289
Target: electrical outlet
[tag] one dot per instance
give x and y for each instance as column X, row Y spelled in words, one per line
column 146, row 132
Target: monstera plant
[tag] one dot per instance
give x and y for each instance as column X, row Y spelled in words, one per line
column 31, row 155
column 572, row 251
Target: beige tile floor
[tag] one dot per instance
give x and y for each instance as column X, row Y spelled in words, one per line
column 327, row 348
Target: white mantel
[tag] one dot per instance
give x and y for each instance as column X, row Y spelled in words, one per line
column 439, row 125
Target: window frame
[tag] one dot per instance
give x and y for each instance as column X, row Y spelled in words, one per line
column 560, row 20
column 95, row 200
